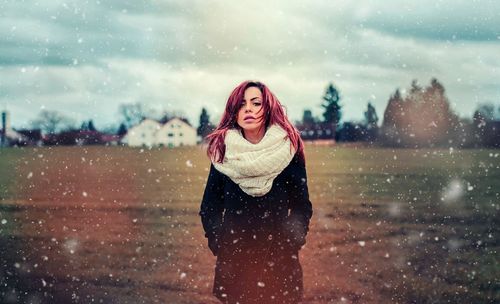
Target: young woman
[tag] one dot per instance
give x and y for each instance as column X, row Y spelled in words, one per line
column 256, row 209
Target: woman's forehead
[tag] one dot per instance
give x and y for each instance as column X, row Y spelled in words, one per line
column 252, row 92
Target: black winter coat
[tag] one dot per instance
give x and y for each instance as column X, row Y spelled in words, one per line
column 257, row 239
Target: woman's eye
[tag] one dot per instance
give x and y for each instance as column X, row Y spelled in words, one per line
column 255, row 104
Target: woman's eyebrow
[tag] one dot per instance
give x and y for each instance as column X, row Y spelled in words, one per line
column 251, row 98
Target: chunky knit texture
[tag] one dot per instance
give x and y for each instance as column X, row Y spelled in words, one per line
column 253, row 167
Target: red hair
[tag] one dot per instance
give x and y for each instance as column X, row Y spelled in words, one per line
column 273, row 114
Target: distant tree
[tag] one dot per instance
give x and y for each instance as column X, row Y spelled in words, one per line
column 166, row 116
column 91, row 126
column 487, row 111
column 440, row 123
column 465, row 133
column 205, row 127
column 371, row 117
column 391, row 125
column 486, row 125
column 422, row 118
column 415, row 87
column 332, row 113
column 51, row 122
column 122, row 130
column 331, row 104
column 88, row 126
column 479, row 124
column 132, row 113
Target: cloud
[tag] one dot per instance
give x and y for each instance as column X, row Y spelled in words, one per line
column 439, row 20
column 87, row 58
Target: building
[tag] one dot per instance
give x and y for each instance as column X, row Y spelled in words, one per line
column 316, row 131
column 30, row 137
column 176, row 132
column 8, row 136
column 150, row 133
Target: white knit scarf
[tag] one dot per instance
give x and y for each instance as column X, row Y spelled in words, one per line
column 254, row 166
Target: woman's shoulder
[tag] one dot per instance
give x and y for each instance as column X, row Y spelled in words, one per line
column 296, row 163
column 298, row 159
column 214, row 171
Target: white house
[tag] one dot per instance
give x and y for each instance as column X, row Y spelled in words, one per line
column 176, row 132
column 142, row 134
column 173, row 133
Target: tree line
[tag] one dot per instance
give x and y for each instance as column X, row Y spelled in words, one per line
column 424, row 118
column 59, row 129
column 421, row 117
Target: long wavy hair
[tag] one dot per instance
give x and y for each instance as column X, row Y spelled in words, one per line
column 273, row 114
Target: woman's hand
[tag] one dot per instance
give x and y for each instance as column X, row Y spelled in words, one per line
column 294, row 233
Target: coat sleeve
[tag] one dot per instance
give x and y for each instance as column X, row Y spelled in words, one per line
column 297, row 224
column 212, row 208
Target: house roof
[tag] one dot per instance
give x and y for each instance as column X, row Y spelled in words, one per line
column 181, row 119
column 185, row 120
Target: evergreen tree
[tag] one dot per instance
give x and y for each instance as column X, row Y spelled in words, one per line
column 88, row 126
column 331, row 104
column 122, row 130
column 393, row 111
column 332, row 113
column 422, row 118
column 415, row 88
column 371, row 117
column 392, row 124
column 84, row 126
column 91, row 126
column 205, row 126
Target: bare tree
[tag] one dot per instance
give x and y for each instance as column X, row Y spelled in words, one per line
column 132, row 113
column 52, row 121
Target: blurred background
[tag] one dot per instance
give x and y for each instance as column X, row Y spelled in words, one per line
column 64, row 63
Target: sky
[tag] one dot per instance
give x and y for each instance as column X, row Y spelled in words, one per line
column 85, row 58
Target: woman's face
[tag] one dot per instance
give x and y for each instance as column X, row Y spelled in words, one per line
column 252, row 109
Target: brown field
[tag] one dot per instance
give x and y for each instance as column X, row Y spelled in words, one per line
column 121, row 225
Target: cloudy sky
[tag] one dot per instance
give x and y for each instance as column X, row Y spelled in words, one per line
column 84, row 58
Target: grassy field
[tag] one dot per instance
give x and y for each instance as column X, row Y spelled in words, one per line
column 121, row 225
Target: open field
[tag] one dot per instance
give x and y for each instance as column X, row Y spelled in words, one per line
column 121, row 225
